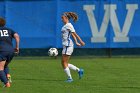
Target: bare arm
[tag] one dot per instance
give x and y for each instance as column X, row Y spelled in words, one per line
column 75, row 37
column 17, row 38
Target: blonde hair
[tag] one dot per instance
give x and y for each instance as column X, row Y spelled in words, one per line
column 72, row 15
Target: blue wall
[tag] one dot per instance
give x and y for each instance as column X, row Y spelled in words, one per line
column 39, row 22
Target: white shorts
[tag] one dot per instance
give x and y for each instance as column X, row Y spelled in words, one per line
column 68, row 50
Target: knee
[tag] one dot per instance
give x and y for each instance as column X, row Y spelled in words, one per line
column 1, row 67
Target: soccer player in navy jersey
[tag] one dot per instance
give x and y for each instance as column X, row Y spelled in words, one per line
column 7, row 51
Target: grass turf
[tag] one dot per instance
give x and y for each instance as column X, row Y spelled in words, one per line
column 102, row 75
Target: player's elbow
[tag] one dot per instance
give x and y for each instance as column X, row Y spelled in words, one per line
column 17, row 37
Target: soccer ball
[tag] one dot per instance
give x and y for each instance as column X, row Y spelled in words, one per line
column 53, row 52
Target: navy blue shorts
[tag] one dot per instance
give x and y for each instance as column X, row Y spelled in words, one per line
column 6, row 56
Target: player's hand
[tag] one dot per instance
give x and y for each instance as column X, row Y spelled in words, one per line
column 78, row 44
column 16, row 51
column 82, row 43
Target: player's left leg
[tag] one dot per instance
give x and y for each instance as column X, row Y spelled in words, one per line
column 2, row 74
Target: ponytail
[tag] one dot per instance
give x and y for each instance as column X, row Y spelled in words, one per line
column 72, row 15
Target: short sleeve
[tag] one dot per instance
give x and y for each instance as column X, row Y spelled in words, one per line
column 71, row 28
column 12, row 32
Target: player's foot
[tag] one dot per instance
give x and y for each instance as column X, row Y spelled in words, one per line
column 7, row 85
column 81, row 72
column 9, row 78
column 69, row 80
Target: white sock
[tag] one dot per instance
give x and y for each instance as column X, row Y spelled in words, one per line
column 71, row 66
column 67, row 71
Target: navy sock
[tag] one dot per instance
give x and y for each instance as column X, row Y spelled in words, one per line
column 3, row 77
column 6, row 70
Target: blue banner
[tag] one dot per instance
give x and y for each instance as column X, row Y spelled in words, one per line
column 101, row 23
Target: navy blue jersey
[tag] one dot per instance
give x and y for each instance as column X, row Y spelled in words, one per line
column 6, row 36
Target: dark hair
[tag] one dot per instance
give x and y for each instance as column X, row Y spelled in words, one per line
column 2, row 22
column 72, row 15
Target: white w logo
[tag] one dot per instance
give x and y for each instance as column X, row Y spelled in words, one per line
column 110, row 14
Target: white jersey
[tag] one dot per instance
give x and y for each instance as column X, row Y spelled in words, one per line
column 67, row 29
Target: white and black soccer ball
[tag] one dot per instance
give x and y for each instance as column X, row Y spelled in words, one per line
column 53, row 52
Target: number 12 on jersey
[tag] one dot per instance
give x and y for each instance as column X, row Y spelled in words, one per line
column 4, row 33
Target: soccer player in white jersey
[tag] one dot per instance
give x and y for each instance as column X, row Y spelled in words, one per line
column 68, row 46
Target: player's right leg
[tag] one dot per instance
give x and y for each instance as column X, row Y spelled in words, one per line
column 79, row 70
column 65, row 59
column 66, row 53
column 9, row 78
column 10, row 56
column 6, row 70
column 80, row 73
column 73, row 67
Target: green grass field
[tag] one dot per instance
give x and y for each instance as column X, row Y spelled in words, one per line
column 102, row 75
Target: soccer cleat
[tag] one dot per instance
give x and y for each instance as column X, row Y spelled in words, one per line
column 7, row 85
column 69, row 80
column 81, row 72
column 9, row 78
